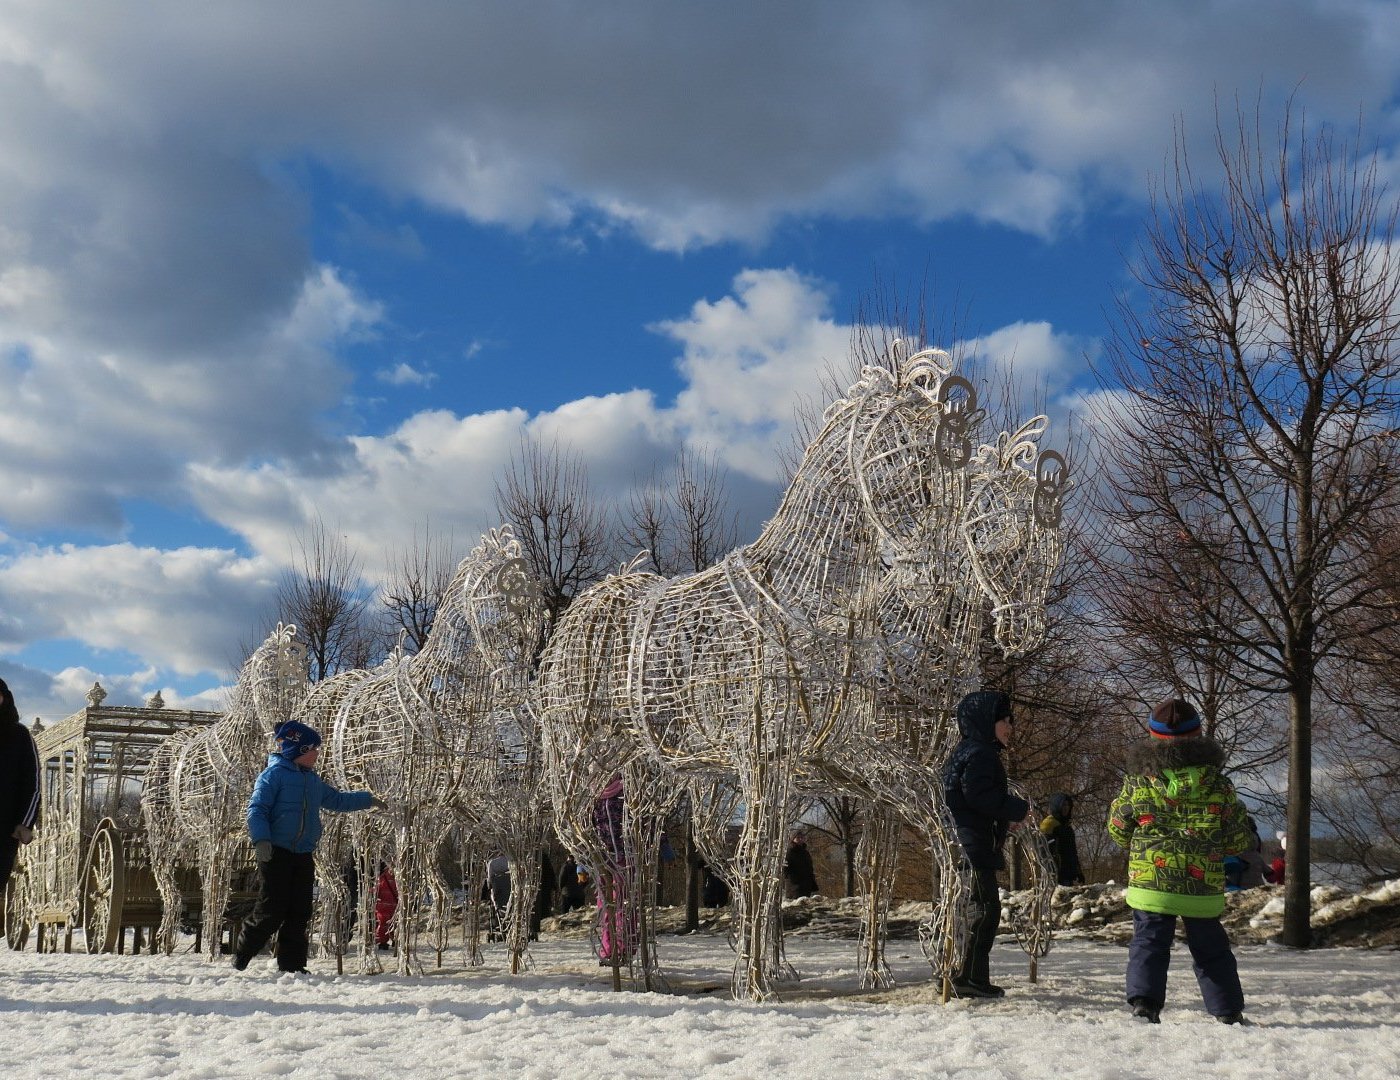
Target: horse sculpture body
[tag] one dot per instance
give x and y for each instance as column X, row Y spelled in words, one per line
column 196, row 788
column 766, row 673
column 440, row 737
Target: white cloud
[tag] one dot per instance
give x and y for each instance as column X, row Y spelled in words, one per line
column 748, row 359
column 90, row 425
column 403, row 374
column 184, row 610
column 686, row 125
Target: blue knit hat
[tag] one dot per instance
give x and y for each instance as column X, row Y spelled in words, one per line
column 1172, row 719
column 295, row 739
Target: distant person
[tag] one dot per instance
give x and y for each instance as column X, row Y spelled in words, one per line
column 797, row 868
column 498, row 887
column 714, row 890
column 573, row 883
column 19, row 767
column 1247, row 870
column 1059, row 835
column 386, row 906
column 1178, row 816
column 1278, row 869
column 615, row 935
column 979, row 798
column 284, row 825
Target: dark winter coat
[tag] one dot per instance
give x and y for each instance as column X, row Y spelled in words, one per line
column 798, row 870
column 1178, row 816
column 19, row 770
column 975, row 785
column 287, row 802
column 1059, row 835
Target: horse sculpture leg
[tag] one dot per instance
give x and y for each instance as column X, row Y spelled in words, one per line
column 767, row 787
column 878, row 859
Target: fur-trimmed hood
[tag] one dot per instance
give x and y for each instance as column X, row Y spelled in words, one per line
column 1152, row 757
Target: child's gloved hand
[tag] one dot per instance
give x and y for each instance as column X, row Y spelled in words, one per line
column 263, row 850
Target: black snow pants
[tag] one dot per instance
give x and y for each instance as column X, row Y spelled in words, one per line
column 983, row 924
column 283, row 908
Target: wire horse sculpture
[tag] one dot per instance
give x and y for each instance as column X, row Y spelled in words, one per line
column 197, row 786
column 443, row 738
column 764, row 677
column 1008, row 551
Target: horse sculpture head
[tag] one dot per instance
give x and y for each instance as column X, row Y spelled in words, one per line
column 275, row 676
column 1011, row 530
column 503, row 605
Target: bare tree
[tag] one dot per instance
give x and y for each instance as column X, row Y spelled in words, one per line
column 682, row 520
column 839, row 817
column 324, row 594
column 1258, row 382
column 562, row 527
column 420, row 575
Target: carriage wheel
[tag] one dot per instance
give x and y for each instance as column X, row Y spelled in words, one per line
column 104, row 882
column 16, row 925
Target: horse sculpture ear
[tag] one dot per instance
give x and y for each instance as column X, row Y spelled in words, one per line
column 1051, row 483
column 953, row 441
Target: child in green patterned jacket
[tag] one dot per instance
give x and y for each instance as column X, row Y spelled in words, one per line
column 1179, row 817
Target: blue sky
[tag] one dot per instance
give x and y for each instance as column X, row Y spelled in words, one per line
column 263, row 263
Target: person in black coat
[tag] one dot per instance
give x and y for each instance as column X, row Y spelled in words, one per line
column 19, row 784
column 544, row 896
column 571, row 888
column 797, row 868
column 983, row 810
column 1059, row 834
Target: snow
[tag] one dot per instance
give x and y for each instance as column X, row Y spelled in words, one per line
column 1326, row 1012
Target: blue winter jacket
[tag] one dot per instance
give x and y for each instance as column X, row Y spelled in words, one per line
column 287, row 802
column 975, row 784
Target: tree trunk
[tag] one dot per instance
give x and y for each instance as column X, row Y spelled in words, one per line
column 1297, row 911
column 849, row 850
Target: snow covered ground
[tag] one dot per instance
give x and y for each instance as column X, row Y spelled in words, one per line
column 1329, row 1012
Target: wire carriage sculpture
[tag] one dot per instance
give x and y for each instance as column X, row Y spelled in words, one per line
column 196, row 789
column 765, row 676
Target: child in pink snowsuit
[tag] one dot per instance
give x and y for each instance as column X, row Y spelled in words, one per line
column 386, row 904
column 615, row 934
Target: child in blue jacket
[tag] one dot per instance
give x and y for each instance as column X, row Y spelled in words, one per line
column 284, row 824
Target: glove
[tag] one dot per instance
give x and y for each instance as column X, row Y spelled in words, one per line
column 23, row 833
column 263, row 850
column 376, row 803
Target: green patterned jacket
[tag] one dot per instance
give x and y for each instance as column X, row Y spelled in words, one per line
column 1179, row 817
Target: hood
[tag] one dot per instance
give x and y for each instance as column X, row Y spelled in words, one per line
column 1153, row 757
column 9, row 712
column 978, row 715
column 1061, row 806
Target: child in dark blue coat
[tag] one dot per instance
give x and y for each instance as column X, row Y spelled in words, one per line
column 284, row 824
column 983, row 810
